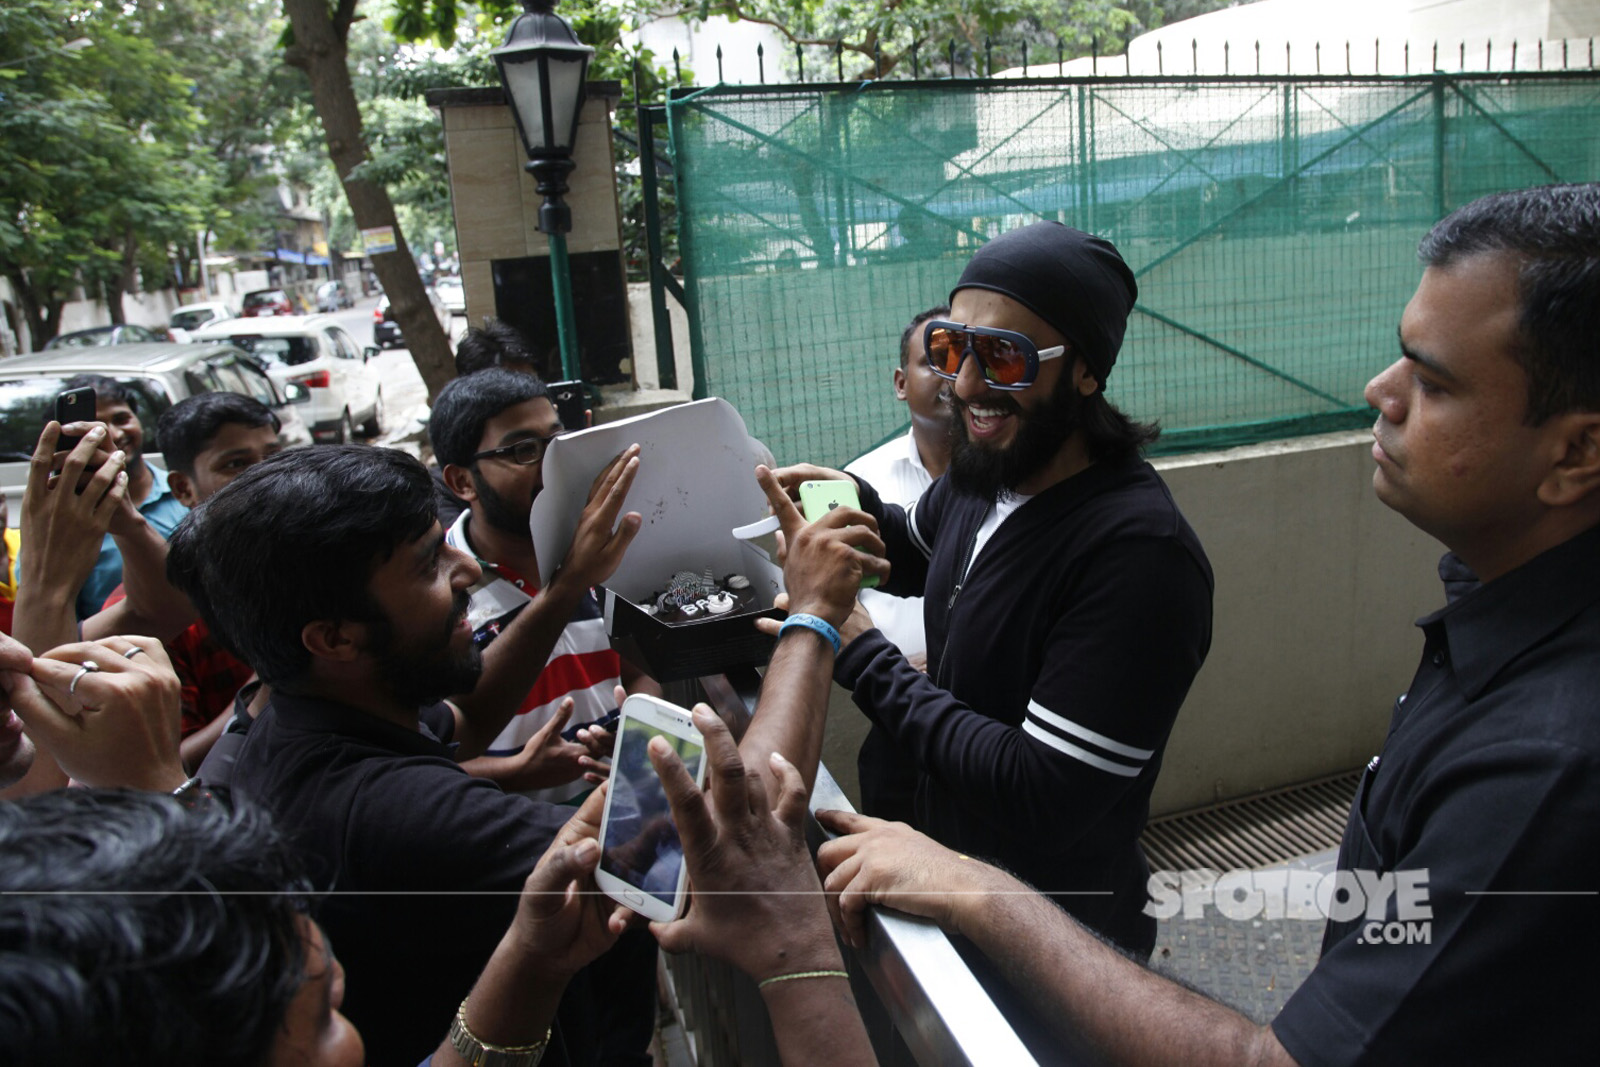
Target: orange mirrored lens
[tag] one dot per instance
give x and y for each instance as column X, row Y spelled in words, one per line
column 944, row 350
column 1002, row 361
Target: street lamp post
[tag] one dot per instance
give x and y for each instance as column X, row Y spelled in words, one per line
column 543, row 68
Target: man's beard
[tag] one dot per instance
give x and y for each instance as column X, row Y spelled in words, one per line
column 501, row 512
column 424, row 675
column 986, row 472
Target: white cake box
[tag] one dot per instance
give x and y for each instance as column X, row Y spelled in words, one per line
column 696, row 483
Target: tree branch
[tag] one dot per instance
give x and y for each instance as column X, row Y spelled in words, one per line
column 343, row 16
column 731, row 7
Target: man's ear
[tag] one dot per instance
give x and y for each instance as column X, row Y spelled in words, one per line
column 459, row 479
column 341, row 642
column 1575, row 477
column 1083, row 378
column 900, row 383
column 182, row 487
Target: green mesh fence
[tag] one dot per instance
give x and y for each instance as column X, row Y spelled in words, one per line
column 1272, row 223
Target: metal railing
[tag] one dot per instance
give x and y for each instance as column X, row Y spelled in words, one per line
column 920, row 1001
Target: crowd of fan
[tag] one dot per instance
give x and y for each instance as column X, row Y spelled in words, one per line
column 257, row 714
column 329, row 808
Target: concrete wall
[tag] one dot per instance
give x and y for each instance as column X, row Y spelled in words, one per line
column 140, row 309
column 1317, row 587
column 646, row 374
column 1423, row 23
column 495, row 200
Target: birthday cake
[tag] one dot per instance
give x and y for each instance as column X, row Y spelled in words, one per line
column 691, row 597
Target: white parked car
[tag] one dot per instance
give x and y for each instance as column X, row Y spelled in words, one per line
column 193, row 316
column 453, row 294
column 315, row 352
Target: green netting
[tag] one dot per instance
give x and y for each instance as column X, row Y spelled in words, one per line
column 1272, row 223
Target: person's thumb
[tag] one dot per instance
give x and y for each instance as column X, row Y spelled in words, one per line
column 547, row 887
column 676, row 936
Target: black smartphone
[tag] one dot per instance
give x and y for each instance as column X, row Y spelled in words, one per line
column 571, row 400
column 74, row 405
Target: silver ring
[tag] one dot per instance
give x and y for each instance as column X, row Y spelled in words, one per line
column 132, row 652
column 89, row 667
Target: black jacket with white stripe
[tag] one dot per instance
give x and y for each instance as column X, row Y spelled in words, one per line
column 1055, row 672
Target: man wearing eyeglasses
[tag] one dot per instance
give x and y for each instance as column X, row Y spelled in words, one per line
column 489, row 431
column 1067, row 602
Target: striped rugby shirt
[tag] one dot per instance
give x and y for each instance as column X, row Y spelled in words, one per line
column 582, row 664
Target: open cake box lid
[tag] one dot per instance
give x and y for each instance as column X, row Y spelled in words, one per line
column 696, row 482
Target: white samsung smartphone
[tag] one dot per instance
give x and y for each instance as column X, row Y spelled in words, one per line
column 641, row 858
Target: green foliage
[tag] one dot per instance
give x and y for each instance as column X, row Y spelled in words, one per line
column 93, row 167
column 113, row 157
column 879, row 37
column 403, row 137
column 405, row 144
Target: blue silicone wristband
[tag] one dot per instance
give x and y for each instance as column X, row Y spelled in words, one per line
column 814, row 624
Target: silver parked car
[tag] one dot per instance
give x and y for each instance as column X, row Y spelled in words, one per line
column 453, row 294
column 160, row 374
column 101, row 335
column 331, row 296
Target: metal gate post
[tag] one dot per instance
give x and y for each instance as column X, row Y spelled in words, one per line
column 1438, row 146
column 1085, row 220
column 666, row 360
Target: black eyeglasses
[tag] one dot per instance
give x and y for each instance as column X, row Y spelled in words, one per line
column 525, row 453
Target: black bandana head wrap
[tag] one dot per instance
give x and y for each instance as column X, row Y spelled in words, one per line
column 1076, row 282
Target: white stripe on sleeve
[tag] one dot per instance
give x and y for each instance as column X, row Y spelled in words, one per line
column 916, row 534
column 1066, row 726
column 1039, row 733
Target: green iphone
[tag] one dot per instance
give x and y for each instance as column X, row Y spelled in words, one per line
column 819, row 498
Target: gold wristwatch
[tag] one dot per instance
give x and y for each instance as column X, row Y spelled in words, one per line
column 480, row 1053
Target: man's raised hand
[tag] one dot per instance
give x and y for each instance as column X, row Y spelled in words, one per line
column 563, row 920
column 600, row 540
column 550, row 760
column 69, row 503
column 756, row 902
column 822, row 567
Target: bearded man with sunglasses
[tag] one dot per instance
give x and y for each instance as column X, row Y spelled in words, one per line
column 1067, row 601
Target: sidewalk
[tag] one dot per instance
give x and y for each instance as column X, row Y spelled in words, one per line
column 1252, row 965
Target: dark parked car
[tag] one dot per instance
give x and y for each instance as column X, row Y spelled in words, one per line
column 267, row 302
column 386, row 331
column 102, row 335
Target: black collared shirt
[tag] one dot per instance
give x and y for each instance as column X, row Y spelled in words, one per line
column 1489, row 780
column 424, row 862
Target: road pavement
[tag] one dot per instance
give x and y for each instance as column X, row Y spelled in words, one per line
column 405, row 397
